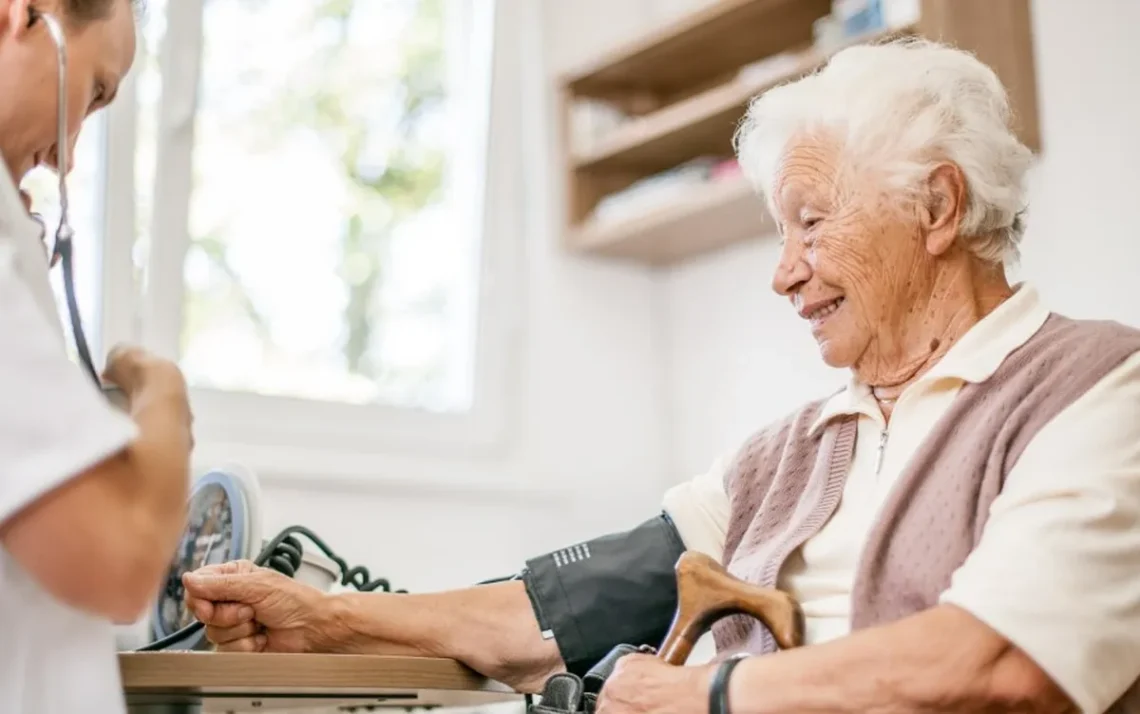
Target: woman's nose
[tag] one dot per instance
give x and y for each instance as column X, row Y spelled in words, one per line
column 793, row 269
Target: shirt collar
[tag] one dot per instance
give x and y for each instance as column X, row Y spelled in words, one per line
column 973, row 359
column 26, row 258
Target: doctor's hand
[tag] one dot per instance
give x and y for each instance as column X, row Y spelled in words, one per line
column 247, row 608
column 135, row 370
column 643, row 684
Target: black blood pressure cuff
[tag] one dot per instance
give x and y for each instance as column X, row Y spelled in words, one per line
column 617, row 589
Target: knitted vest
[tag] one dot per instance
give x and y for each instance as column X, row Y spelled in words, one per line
column 786, row 483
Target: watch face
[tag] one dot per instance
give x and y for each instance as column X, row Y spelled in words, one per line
column 214, row 534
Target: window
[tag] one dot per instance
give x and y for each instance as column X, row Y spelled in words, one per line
column 288, row 198
column 333, row 177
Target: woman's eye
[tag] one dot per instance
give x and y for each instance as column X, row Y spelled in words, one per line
column 810, row 222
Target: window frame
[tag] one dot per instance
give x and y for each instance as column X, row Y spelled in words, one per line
column 286, row 435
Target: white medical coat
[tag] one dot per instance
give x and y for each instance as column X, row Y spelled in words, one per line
column 54, row 424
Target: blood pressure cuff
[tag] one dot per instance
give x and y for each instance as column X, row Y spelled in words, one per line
column 617, row 589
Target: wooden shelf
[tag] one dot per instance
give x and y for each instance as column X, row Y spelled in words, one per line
column 714, row 42
column 686, row 94
column 702, row 124
column 709, row 218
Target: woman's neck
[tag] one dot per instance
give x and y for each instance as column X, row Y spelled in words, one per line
column 958, row 299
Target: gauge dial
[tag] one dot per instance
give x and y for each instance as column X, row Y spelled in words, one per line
column 214, row 534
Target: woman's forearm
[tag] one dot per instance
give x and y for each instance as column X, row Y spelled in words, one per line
column 491, row 628
column 943, row 660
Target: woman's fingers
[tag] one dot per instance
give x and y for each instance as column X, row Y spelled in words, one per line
column 256, row 643
column 222, row 636
column 218, row 613
column 222, row 614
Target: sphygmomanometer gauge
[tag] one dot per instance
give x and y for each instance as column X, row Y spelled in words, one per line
column 220, row 528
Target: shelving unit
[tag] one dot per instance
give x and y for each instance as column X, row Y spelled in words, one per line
column 684, row 92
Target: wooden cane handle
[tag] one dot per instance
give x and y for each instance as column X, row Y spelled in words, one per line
column 706, row 592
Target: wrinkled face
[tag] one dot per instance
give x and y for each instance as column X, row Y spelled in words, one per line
column 853, row 265
column 100, row 54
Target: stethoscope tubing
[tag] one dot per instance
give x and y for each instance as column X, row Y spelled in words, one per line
column 62, row 249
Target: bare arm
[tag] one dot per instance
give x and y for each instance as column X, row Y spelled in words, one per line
column 565, row 614
column 943, row 660
column 102, row 540
column 491, row 628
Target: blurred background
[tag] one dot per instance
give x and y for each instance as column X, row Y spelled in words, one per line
column 463, row 281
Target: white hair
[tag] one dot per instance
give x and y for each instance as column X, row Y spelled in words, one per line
column 900, row 109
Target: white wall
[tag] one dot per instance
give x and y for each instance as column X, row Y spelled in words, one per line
column 737, row 357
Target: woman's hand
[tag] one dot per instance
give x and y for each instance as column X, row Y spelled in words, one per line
column 643, row 684
column 250, row 609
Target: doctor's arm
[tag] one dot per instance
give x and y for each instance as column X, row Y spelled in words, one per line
column 91, row 502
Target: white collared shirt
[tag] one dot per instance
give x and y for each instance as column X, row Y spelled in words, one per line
column 54, row 425
column 1057, row 571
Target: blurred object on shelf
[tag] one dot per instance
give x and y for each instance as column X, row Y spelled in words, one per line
column 591, row 121
column 858, row 17
column 901, row 13
column 652, row 192
column 725, row 170
column 661, row 189
column 769, row 69
column 827, row 34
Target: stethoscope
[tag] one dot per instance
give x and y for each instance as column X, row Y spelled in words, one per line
column 62, row 249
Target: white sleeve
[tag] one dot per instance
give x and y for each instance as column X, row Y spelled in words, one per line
column 1057, row 571
column 54, row 423
column 699, row 509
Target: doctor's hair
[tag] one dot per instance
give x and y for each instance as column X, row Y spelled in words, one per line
column 84, row 11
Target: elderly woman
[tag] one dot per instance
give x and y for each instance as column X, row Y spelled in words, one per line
column 959, row 523
column 91, row 499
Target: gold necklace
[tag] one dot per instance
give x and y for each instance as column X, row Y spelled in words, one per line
column 882, row 400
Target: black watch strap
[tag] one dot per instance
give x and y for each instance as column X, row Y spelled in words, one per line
column 718, row 690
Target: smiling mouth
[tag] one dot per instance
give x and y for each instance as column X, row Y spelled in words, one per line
column 824, row 311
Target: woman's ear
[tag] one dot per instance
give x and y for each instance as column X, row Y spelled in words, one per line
column 945, row 202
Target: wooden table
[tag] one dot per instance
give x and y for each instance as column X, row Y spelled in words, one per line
column 192, row 682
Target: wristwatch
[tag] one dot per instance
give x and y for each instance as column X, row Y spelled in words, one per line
column 718, row 690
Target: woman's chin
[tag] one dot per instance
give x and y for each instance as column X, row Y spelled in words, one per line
column 834, row 353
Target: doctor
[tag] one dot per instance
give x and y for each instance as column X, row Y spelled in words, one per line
column 91, row 500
